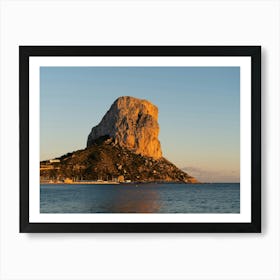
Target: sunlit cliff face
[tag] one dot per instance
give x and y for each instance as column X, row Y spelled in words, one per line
column 133, row 124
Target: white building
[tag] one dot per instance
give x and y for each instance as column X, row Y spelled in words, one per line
column 54, row 160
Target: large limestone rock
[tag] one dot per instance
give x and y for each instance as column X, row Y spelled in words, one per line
column 133, row 124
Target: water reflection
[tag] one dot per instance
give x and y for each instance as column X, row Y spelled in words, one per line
column 145, row 198
column 135, row 199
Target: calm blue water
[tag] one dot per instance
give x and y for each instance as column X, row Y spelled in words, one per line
column 142, row 198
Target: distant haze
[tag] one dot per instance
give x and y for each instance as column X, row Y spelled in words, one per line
column 210, row 175
column 199, row 111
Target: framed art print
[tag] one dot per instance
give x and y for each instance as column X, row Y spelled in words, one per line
column 140, row 138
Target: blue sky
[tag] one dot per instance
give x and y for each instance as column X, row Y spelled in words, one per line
column 199, row 110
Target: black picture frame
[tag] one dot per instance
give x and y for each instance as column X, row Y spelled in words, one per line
column 254, row 52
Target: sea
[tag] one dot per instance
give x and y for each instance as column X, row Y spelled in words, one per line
column 140, row 198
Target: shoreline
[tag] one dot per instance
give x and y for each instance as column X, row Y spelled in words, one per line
column 81, row 183
column 113, row 183
column 133, row 183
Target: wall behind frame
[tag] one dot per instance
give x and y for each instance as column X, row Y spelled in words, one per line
column 139, row 256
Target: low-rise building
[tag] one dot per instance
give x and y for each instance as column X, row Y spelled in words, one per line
column 54, row 160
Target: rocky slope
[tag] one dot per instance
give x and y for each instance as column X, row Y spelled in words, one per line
column 106, row 160
column 133, row 124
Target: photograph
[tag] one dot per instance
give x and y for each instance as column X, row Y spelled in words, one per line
column 139, row 139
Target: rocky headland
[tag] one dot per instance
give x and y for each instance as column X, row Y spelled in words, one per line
column 124, row 146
